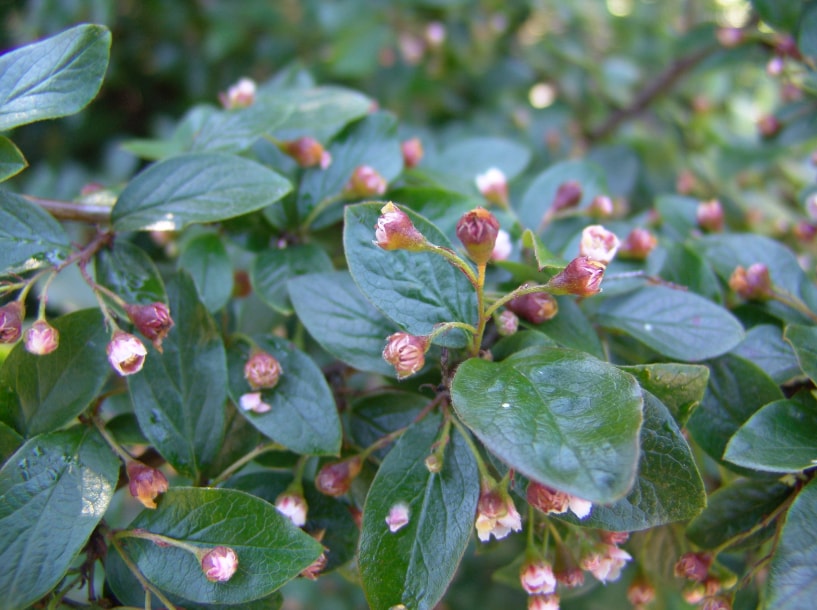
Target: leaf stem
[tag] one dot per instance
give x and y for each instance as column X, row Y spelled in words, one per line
column 521, row 291
column 149, row 588
column 453, row 258
column 484, row 475
column 786, row 298
column 244, row 460
column 159, row 539
column 323, row 204
column 112, row 443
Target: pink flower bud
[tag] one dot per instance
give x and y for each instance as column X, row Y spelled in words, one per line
column 804, row 231
column 598, row 244
column 145, row 483
column 536, row 308
column 507, row 323
column 537, row 577
column 398, row 517
column 638, row 245
column 601, row 207
column 41, row 338
column 335, row 479
column 153, row 321
column 406, row 353
column 729, row 37
column 571, row 577
column 543, row 602
column 240, row 95
column 502, row 247
column 686, row 182
column 494, row 186
column 710, row 215
column 365, row 182
column 435, row 34
column 395, row 231
column 314, row 569
column 693, row 566
column 11, row 322
column 496, row 515
column 292, row 506
column 307, row 152
column 412, row 152
column 126, row 353
column 582, row 277
column 753, row 283
column 775, row 66
column 252, row 401
column 219, row 564
column 615, row 537
column 768, row 126
column 568, row 195
column 640, row 592
column 262, row 370
column 478, row 230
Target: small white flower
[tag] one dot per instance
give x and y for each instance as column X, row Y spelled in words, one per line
column 581, row 508
column 292, row 506
column 599, row 244
column 251, row 401
column 398, row 517
column 502, row 246
column 491, row 179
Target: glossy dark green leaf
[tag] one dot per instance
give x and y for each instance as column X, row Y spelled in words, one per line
column 680, row 387
column 475, row 155
column 125, row 429
column 668, row 487
column 195, row 187
column 236, row 130
column 128, row 270
column 735, row 510
column 55, row 77
column 29, row 236
column 55, row 489
column 571, row 328
column 558, row 416
column 522, row 339
column 319, row 112
column 42, row 393
column 12, row 161
column 792, row 581
column 375, row 415
column 303, row 416
column 737, row 389
column 10, row 441
column 804, row 341
column 414, row 565
column 205, row 258
column 271, row 551
column 675, row 323
column 240, row 438
column 780, row 437
column 272, row 268
column 414, row 289
column 179, row 395
column 780, row 14
column 764, row 345
column 684, row 266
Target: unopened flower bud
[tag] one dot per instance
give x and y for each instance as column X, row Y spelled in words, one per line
column 252, row 401
column 219, row 564
column 693, row 592
column 412, row 152
column 395, row 231
column 406, row 353
column 507, row 323
column 365, row 182
column 729, row 37
column 145, row 483
column 126, row 353
column 709, row 215
column 640, row 592
column 398, row 517
column 41, row 338
column 582, row 277
column 775, row 66
column 335, row 479
column 615, row 537
column 601, row 207
column 502, row 247
column 768, row 126
column 537, row 577
column 307, row 152
column 753, row 283
column 435, row 34
column 11, row 322
column 598, row 244
column 433, row 463
column 314, row 569
column 240, row 95
column 293, row 506
column 496, row 515
column 686, row 182
column 494, row 186
column 804, row 231
column 638, row 244
column 536, row 308
column 153, row 321
column 693, row 566
column 786, row 46
column 543, row 602
column 568, row 195
column 717, row 603
column 477, row 230
column 262, row 370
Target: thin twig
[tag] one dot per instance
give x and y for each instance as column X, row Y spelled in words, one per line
column 72, row 210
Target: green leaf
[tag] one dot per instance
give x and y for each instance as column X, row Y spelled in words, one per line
column 792, row 581
column 195, row 188
column 780, row 437
column 677, row 324
column 735, row 510
column 303, row 416
column 678, row 215
column 737, row 388
column 205, row 258
column 10, row 441
column 807, row 38
column 55, row 489
column 12, row 161
column 686, row 267
column 375, row 415
column 558, row 416
column 338, row 317
column 780, row 14
column 414, row 289
column 29, row 236
column 414, row 565
column 42, row 393
column 54, row 77
column 544, row 257
column 522, row 339
column 764, row 345
column 236, row 130
column 472, row 156
column 179, row 395
column 571, row 328
column 272, row 268
column 680, row 387
column 668, row 487
column 438, row 204
column 804, row 341
column 319, row 112
column 128, row 271
column 271, row 551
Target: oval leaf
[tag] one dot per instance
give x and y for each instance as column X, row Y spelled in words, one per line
column 29, row 236
column 804, row 339
column 557, row 416
column 272, row 268
column 12, row 161
column 679, row 387
column 128, row 270
column 205, row 258
column 472, row 156
column 764, row 345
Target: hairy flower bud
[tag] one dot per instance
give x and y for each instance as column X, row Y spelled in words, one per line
column 335, row 479
column 507, row 323
column 41, row 338
column 536, row 307
column 478, row 230
column 240, row 95
column 494, row 186
column 582, row 277
column 145, row 483
column 365, row 182
column 406, row 353
column 753, row 283
column 638, row 244
column 126, row 353
column 11, row 322
column 710, row 216
column 395, row 231
column 598, row 244
column 412, row 152
column 292, row 506
column 219, row 564
column 398, row 517
column 307, row 152
column 693, row 566
column 537, row 577
column 262, row 370
column 153, row 321
column 568, row 195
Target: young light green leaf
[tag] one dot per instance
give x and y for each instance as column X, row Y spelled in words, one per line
column 558, row 416
column 804, row 341
column 272, row 268
column 62, row 481
column 12, row 161
column 677, row 324
column 128, row 270
column 195, row 187
column 414, row 289
column 271, row 551
column 179, row 395
column 55, row 77
column 413, row 565
column 29, row 236
column 205, row 258
column 680, row 387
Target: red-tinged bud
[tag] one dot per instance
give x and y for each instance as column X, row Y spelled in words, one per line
column 335, row 479
column 219, row 564
column 41, row 338
column 507, row 323
column 536, row 308
column 395, row 231
column 709, row 215
column 615, row 537
column 293, row 506
column 730, row 37
column 478, row 230
column 365, row 182
column 543, row 602
column 307, row 152
column 638, row 244
column 582, row 277
column 240, row 95
column 601, row 207
column 790, row 92
column 568, row 195
column 356, row 514
column 153, row 321
column 314, row 569
column 406, row 353
column 640, row 592
column 804, row 231
column 494, row 186
column 693, row 566
column 262, row 370
column 126, row 353
column 537, row 577
column 753, row 283
column 769, row 126
column 496, row 515
column 786, row 46
column 686, row 182
column 398, row 517
column 412, row 152
column 717, row 603
column 598, row 244
column 565, row 569
column 145, row 483
column 11, row 322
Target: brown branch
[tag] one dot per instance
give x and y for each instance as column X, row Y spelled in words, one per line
column 71, row 210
